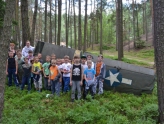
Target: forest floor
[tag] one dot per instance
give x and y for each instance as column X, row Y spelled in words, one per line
column 143, row 57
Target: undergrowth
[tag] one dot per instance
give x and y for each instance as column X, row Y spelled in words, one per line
column 111, row 108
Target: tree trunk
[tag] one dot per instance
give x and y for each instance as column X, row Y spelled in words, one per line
column 45, row 23
column 134, row 33
column 55, row 22
column 159, row 59
column 74, row 24
column 85, row 27
column 25, row 22
column 59, row 20
column 34, row 23
column 146, row 31
column 101, row 52
column 50, row 33
column 138, row 31
column 17, row 26
column 66, row 23
column 4, row 44
column 79, row 28
column 119, row 29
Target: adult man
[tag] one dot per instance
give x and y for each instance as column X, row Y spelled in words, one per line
column 26, row 49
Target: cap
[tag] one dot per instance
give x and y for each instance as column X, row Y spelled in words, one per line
column 83, row 56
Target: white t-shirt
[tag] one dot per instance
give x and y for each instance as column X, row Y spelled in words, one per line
column 66, row 66
column 26, row 49
column 84, row 66
column 59, row 67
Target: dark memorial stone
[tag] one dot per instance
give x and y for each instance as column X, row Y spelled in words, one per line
column 120, row 76
column 47, row 49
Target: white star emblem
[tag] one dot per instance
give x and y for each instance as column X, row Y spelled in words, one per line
column 112, row 78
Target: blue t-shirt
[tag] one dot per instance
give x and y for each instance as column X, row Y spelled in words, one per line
column 89, row 73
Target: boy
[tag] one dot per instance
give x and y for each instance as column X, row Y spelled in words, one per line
column 40, row 58
column 83, row 64
column 89, row 75
column 46, row 72
column 26, row 74
column 36, row 68
column 11, row 69
column 53, row 56
column 90, row 57
column 100, row 69
column 30, row 56
column 20, row 70
column 54, row 78
column 66, row 68
column 76, row 78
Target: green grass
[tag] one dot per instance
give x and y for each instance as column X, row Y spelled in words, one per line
column 111, row 107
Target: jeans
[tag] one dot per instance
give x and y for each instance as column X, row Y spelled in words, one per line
column 26, row 80
column 11, row 74
column 76, row 85
column 66, row 83
column 46, row 87
column 55, row 87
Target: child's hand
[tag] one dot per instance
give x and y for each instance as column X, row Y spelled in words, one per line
column 81, row 83
column 16, row 72
column 6, row 73
column 48, row 80
column 70, row 83
column 60, row 80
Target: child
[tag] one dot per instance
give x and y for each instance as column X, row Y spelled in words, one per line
column 40, row 58
column 54, row 78
column 26, row 74
column 76, row 78
column 30, row 56
column 46, row 72
column 11, row 69
column 100, row 69
column 53, row 56
column 90, row 57
column 20, row 70
column 83, row 64
column 89, row 75
column 66, row 68
column 36, row 68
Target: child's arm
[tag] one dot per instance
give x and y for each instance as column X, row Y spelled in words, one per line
column 85, row 77
column 33, row 70
column 71, row 76
column 7, row 67
column 43, row 71
column 81, row 76
column 60, row 80
column 16, row 65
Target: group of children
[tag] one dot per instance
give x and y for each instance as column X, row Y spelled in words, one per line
column 80, row 74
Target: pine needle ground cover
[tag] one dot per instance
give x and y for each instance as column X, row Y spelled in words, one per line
column 111, row 107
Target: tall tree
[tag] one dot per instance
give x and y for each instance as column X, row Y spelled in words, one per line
column 101, row 29
column 34, row 23
column 159, row 49
column 59, row 20
column 74, row 24
column 85, row 27
column 50, row 32
column 25, row 22
column 45, row 23
column 119, row 29
column 55, row 22
column 79, row 28
column 134, row 30
column 66, row 24
column 17, row 26
column 4, row 44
